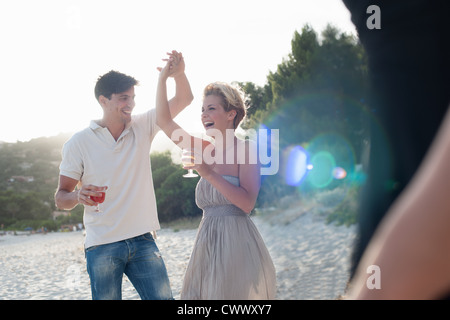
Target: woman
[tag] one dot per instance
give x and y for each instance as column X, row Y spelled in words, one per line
column 229, row 259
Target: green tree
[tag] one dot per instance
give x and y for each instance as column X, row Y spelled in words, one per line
column 175, row 195
column 319, row 89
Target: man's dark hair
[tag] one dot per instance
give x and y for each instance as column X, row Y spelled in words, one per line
column 113, row 82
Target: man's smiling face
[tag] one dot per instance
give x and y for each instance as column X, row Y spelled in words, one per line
column 120, row 106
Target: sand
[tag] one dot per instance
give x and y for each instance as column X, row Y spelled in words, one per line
column 311, row 259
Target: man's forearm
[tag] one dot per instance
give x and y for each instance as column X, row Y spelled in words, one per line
column 66, row 200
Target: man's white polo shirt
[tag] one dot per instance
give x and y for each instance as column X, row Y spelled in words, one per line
column 92, row 156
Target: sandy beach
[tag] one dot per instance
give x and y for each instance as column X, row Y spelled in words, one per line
column 311, row 259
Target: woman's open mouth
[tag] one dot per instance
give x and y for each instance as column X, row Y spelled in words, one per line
column 208, row 124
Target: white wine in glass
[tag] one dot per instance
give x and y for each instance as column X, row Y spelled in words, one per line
column 187, row 159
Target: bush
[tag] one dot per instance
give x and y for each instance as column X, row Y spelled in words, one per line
column 346, row 211
column 175, row 195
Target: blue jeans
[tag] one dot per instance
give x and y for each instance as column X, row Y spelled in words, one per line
column 138, row 258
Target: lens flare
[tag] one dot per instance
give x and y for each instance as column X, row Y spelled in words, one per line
column 296, row 165
column 344, row 132
column 335, row 157
column 322, row 173
column 339, row 173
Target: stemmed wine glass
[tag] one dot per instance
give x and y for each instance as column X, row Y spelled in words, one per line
column 187, row 159
column 99, row 200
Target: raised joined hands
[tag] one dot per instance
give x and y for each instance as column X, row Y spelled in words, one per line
column 174, row 65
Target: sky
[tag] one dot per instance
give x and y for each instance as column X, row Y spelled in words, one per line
column 53, row 51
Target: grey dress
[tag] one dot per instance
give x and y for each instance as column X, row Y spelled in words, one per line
column 229, row 260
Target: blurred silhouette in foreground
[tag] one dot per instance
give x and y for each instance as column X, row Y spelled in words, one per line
column 404, row 216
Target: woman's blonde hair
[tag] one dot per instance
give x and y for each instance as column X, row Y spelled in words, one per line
column 232, row 99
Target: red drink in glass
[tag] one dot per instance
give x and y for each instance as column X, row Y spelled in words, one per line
column 99, row 199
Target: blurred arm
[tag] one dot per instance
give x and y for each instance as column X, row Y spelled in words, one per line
column 412, row 244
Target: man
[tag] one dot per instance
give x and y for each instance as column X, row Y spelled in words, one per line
column 112, row 156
